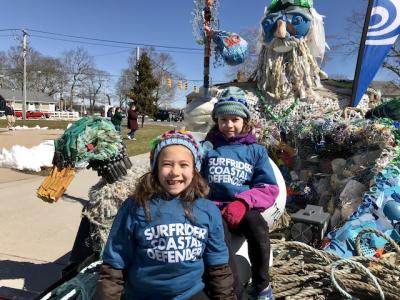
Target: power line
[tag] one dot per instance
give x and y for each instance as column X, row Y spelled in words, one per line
column 105, row 45
column 116, row 42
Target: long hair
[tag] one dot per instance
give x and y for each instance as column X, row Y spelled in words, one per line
column 149, row 187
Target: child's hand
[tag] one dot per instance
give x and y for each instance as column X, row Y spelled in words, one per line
column 233, row 213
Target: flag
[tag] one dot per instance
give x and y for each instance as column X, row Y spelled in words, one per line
column 381, row 29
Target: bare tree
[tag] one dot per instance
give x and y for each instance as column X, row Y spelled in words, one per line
column 50, row 77
column 92, row 86
column 78, row 64
column 4, row 68
column 43, row 73
column 349, row 43
column 124, row 85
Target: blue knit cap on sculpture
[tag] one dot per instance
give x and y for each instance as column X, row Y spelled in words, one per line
column 175, row 137
column 231, row 102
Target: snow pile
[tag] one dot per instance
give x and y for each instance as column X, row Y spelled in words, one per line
column 26, row 127
column 22, row 158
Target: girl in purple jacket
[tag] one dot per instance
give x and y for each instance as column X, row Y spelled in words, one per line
column 242, row 184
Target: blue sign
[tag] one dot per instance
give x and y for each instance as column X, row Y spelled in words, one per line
column 383, row 30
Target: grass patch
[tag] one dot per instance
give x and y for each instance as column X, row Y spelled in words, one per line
column 143, row 137
column 51, row 124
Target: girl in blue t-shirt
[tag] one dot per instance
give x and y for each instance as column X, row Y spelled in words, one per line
column 242, row 183
column 167, row 235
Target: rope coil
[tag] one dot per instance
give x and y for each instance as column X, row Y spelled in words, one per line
column 358, row 267
column 303, row 272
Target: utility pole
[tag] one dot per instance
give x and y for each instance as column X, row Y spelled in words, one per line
column 207, row 45
column 137, row 63
column 24, row 50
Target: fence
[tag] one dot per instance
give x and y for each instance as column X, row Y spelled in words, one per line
column 64, row 115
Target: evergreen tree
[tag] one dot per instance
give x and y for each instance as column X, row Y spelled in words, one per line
column 144, row 91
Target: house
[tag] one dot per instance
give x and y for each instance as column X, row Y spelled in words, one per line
column 35, row 101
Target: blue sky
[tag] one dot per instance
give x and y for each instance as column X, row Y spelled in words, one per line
column 158, row 22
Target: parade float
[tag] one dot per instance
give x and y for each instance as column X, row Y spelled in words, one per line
column 338, row 166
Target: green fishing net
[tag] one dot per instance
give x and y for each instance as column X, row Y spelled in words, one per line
column 87, row 139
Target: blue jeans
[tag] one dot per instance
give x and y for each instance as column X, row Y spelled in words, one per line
column 132, row 133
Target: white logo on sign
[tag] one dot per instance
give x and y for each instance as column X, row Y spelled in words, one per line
column 383, row 28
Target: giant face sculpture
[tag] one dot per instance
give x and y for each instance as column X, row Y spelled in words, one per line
column 290, row 22
column 292, row 42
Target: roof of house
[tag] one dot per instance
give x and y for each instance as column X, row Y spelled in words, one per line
column 31, row 96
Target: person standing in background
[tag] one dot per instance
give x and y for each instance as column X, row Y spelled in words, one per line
column 10, row 116
column 116, row 119
column 110, row 113
column 132, row 121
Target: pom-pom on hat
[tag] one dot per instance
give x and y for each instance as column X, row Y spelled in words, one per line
column 231, row 102
column 175, row 137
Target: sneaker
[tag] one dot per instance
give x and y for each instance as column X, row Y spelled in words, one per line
column 133, row 139
column 129, row 137
column 266, row 294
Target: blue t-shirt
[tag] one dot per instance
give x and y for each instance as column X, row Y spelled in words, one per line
column 231, row 169
column 165, row 257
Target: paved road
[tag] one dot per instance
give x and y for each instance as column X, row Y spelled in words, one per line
column 36, row 237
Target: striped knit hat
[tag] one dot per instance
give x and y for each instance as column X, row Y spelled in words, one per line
column 175, row 137
column 277, row 5
column 232, row 102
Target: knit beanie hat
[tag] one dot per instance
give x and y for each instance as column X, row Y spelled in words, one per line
column 175, row 137
column 232, row 102
column 277, row 5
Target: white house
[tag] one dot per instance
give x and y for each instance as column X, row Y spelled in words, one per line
column 35, row 101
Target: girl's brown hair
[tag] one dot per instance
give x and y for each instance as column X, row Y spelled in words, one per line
column 247, row 126
column 149, row 187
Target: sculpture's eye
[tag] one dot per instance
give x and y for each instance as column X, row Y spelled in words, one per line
column 300, row 24
column 296, row 20
column 269, row 26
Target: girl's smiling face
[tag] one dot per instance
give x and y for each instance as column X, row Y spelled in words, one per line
column 175, row 165
column 230, row 125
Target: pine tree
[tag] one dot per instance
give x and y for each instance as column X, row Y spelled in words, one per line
column 144, row 91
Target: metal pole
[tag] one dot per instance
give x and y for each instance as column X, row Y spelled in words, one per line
column 24, row 34
column 207, row 45
column 361, row 53
column 137, row 62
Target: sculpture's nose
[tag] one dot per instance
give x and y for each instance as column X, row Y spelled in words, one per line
column 280, row 29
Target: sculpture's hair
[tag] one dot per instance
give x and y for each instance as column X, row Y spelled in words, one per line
column 149, row 187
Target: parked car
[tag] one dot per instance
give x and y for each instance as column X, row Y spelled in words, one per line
column 33, row 114
column 162, row 115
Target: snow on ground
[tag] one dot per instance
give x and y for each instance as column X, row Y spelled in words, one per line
column 22, row 158
column 26, row 127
